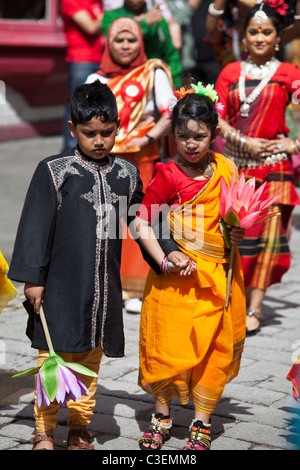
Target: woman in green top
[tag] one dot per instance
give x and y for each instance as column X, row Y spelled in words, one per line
column 157, row 38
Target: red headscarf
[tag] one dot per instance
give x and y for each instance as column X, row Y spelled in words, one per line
column 108, row 67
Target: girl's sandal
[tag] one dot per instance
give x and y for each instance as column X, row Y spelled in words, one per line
column 199, row 437
column 81, row 440
column 158, row 433
column 36, row 440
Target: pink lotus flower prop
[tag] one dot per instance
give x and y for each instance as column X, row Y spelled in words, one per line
column 242, row 206
column 56, row 379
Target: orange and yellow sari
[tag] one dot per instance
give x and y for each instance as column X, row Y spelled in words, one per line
column 190, row 344
column 132, row 93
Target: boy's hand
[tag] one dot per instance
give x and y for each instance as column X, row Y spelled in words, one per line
column 236, row 234
column 35, row 295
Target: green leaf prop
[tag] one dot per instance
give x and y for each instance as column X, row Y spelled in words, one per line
column 25, row 373
column 225, row 232
column 232, row 218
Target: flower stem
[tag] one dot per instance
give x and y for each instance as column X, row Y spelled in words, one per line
column 229, row 278
column 46, row 331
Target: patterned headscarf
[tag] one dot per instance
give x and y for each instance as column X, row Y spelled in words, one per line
column 109, row 68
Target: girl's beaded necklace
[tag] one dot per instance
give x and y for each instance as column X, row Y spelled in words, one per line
column 204, row 168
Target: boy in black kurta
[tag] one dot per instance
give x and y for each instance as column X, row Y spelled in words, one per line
column 68, row 251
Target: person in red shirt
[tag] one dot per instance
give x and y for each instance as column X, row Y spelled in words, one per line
column 83, row 30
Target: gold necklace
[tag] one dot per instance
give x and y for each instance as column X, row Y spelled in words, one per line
column 204, row 168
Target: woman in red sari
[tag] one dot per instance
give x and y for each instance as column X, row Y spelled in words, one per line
column 142, row 88
column 255, row 94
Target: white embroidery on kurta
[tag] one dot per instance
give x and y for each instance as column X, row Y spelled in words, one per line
column 59, row 169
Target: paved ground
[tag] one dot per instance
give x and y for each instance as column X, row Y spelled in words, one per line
column 257, row 411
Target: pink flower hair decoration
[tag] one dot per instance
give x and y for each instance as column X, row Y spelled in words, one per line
column 279, row 5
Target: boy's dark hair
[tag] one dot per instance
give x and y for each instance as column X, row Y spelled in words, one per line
column 93, row 100
column 196, row 107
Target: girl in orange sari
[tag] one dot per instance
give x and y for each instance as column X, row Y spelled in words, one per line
column 190, row 344
column 142, row 88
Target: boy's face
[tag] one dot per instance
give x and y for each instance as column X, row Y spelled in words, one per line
column 95, row 137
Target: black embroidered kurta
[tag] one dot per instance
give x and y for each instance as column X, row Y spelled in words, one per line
column 69, row 240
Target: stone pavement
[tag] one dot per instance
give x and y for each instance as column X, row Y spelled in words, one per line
column 257, row 411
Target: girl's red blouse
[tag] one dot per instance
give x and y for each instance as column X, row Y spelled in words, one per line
column 169, row 185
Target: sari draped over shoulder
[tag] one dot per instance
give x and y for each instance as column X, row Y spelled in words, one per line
column 132, row 92
column 191, row 345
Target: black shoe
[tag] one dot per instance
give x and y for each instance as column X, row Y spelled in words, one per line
column 253, row 313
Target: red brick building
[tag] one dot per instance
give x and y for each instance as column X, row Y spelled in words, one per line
column 32, row 68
